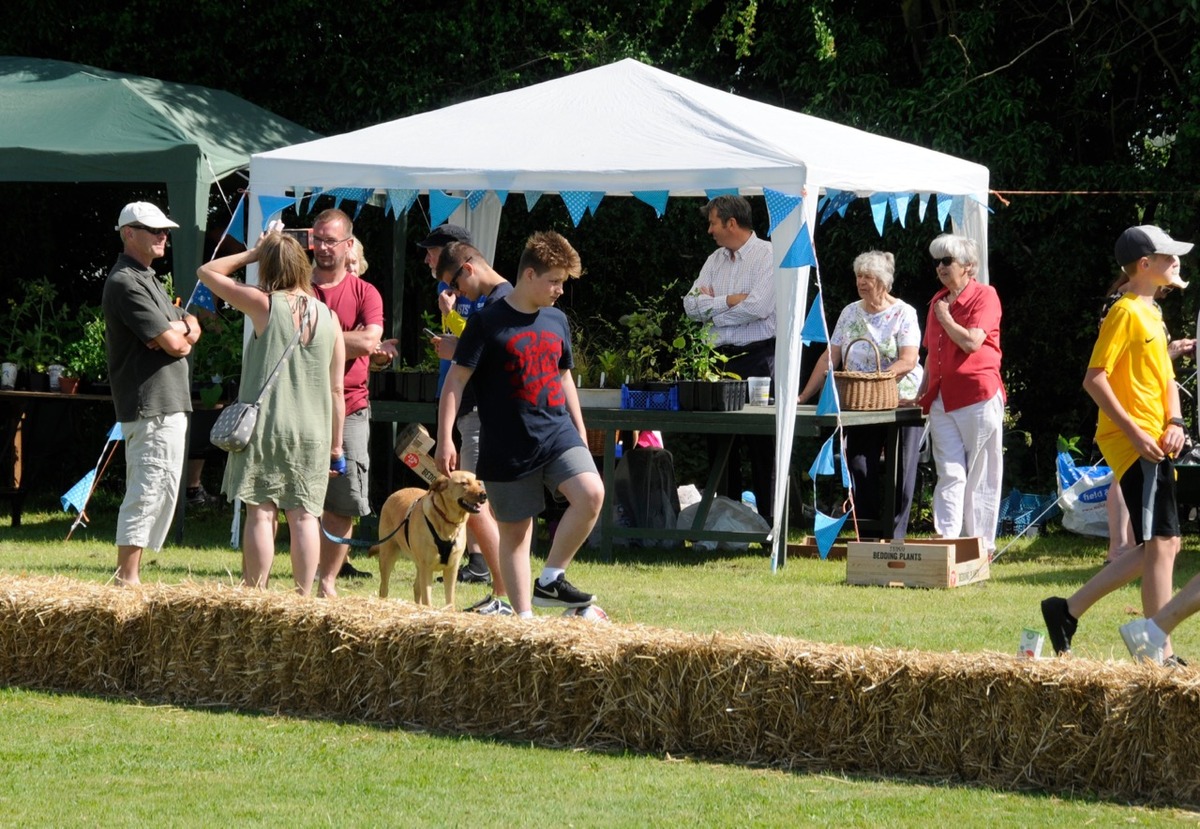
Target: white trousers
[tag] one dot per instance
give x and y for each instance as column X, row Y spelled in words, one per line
column 969, row 457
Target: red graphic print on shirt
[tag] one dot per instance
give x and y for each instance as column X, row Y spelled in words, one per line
column 533, row 367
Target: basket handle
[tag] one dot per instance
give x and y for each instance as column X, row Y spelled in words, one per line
column 875, row 348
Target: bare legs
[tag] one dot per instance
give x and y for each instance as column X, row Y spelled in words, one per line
column 258, row 546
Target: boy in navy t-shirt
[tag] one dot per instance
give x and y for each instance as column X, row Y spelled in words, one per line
column 517, row 353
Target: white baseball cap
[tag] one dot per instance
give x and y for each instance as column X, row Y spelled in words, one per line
column 143, row 213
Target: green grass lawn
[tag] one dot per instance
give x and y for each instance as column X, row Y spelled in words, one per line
column 79, row 760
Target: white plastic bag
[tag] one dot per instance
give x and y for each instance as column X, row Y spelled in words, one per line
column 725, row 515
column 1083, row 491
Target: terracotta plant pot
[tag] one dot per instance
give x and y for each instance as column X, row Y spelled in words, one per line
column 68, row 385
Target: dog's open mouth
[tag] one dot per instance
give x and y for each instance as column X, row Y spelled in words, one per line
column 469, row 506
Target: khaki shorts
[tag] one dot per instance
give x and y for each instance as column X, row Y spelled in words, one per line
column 155, row 448
column 347, row 494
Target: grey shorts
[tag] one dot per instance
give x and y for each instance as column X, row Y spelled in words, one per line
column 468, row 453
column 347, row 495
column 526, row 497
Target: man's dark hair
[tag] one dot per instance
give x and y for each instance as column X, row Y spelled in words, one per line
column 730, row 207
column 452, row 257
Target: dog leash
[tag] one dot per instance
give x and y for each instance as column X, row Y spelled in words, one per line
column 360, row 543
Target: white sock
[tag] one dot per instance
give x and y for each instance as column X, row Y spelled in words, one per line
column 550, row 575
column 526, row 614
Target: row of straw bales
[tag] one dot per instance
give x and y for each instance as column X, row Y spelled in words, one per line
column 1116, row 730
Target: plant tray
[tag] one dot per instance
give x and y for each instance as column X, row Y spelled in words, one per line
column 934, row 562
column 665, row 400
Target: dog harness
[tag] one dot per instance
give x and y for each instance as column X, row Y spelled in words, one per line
column 444, row 545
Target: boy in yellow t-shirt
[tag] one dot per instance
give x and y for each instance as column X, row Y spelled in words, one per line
column 1140, row 430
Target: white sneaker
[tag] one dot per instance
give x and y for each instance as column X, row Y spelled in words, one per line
column 1145, row 640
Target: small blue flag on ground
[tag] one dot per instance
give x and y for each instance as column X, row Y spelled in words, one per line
column 77, row 495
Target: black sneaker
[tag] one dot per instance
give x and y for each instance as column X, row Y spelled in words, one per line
column 1175, row 661
column 560, row 593
column 491, row 606
column 468, row 576
column 1060, row 624
column 349, row 571
column 198, row 497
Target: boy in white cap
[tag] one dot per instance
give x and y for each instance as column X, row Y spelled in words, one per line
column 1140, row 431
column 148, row 340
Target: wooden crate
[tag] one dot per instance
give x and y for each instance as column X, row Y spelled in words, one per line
column 808, row 549
column 917, row 562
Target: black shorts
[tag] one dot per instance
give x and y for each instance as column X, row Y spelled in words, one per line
column 1149, row 493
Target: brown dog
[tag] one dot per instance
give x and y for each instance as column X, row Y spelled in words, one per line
column 431, row 529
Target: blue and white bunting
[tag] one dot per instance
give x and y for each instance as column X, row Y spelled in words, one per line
column 204, row 298
column 922, row 205
column 531, row 198
column 720, row 191
column 474, row 197
column 943, row 209
column 826, row 530
column 271, row 207
column 900, row 203
column 237, row 224
column 655, row 198
column 828, row 404
column 879, row 207
column 823, row 463
column 813, row 330
column 115, row 432
column 801, row 253
column 441, row 206
column 779, row 206
column 577, row 204
column 502, row 195
column 398, row 202
column 77, row 496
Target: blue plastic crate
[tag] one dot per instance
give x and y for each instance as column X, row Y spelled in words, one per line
column 1018, row 511
column 658, row 400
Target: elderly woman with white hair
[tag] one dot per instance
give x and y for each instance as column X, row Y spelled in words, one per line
column 891, row 325
column 963, row 394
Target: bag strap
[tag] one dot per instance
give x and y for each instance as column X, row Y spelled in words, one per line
column 309, row 310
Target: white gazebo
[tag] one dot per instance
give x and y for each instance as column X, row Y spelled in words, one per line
column 630, row 129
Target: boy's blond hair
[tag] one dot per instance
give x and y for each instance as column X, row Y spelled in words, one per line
column 546, row 250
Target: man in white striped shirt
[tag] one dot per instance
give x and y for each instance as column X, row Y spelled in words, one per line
column 735, row 292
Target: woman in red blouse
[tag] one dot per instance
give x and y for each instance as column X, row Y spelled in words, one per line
column 963, row 395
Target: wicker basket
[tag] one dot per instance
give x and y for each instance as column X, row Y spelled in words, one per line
column 595, row 441
column 864, row 391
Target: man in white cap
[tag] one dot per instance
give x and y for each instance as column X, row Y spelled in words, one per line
column 1140, row 431
column 148, row 340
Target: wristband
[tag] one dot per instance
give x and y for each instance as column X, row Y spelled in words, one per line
column 1177, row 421
column 338, row 465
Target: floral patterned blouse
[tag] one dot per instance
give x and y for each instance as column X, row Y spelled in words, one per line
column 890, row 329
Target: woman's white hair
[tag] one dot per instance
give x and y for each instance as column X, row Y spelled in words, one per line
column 962, row 249
column 878, row 264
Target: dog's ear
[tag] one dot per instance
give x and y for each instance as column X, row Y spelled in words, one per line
column 440, row 484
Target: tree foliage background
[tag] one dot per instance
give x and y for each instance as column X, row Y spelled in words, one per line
column 1086, row 113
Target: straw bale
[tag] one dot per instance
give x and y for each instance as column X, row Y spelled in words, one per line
column 1113, row 729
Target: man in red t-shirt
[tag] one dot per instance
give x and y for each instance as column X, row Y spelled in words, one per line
column 359, row 308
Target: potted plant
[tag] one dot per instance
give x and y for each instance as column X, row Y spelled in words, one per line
column 32, row 325
column 86, row 358
column 699, row 367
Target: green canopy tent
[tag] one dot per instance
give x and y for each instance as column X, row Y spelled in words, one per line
column 69, row 122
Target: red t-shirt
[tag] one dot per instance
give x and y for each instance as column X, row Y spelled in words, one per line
column 357, row 304
column 961, row 378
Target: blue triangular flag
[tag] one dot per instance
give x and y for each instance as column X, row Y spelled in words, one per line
column 828, row 404
column 720, row 191
column 441, row 206
column 204, row 298
column 77, row 495
column 922, row 204
column 474, row 197
column 826, row 530
column 801, row 253
column 845, row 466
column 900, row 204
column 298, row 198
column 237, row 225
column 594, row 200
column 814, row 324
column 779, row 206
column 531, row 198
column 958, row 205
column 313, row 196
column 502, row 195
column 115, row 432
column 655, row 198
column 272, row 206
column 577, row 204
column 823, row 463
column 399, row 201
column 879, row 205
column 943, row 208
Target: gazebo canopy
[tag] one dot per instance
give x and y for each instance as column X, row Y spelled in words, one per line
column 69, row 122
column 630, row 129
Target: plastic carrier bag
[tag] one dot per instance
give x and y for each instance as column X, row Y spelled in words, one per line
column 1083, row 490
